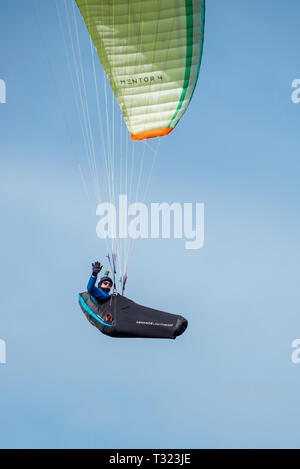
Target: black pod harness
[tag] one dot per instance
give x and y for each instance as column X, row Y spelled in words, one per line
column 119, row 316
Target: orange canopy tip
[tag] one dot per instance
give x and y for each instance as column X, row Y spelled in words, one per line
column 151, row 133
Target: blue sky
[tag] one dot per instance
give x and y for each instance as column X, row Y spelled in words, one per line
column 228, row 382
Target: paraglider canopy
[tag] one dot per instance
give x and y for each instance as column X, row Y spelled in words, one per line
column 151, row 52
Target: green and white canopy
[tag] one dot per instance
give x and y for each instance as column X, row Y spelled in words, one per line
column 151, row 52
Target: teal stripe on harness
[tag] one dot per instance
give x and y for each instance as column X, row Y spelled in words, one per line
column 88, row 310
